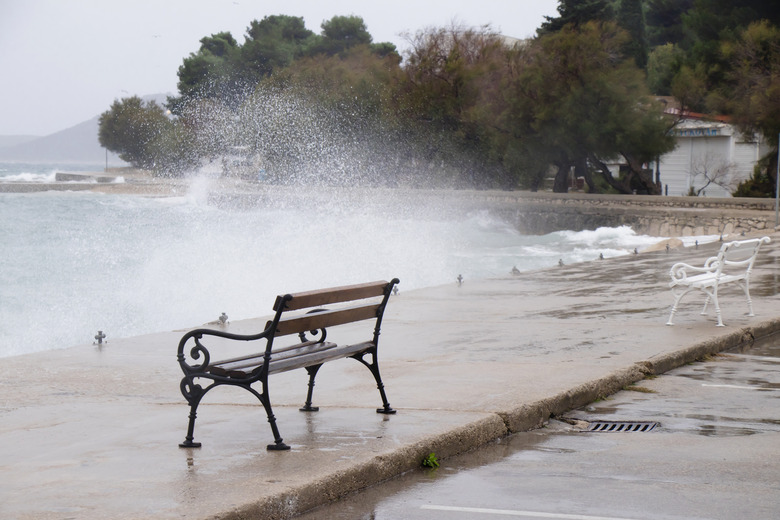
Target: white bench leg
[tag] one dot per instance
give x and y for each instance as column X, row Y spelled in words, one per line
column 671, row 316
column 677, row 299
column 717, row 307
column 746, row 288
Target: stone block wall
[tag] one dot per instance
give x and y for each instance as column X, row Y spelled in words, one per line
column 540, row 213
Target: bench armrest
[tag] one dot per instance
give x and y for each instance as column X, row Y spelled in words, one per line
column 680, row 271
column 199, row 350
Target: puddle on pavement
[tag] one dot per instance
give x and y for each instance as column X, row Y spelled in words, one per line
column 766, row 347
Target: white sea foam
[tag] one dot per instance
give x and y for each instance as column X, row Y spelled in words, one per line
column 29, row 177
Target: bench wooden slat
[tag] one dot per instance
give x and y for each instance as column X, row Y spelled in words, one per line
column 284, row 352
column 326, row 318
column 316, row 358
column 291, row 359
column 259, row 355
column 303, row 300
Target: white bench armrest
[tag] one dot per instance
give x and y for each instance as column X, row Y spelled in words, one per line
column 680, row 271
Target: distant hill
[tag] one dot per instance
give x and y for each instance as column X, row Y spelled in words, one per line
column 78, row 144
column 13, row 140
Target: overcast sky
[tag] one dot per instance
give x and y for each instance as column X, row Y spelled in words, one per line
column 62, row 62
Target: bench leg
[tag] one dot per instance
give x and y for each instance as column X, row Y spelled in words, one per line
column 312, row 371
column 374, row 368
column 677, row 298
column 717, row 305
column 188, row 442
column 193, row 393
column 746, row 288
column 278, row 444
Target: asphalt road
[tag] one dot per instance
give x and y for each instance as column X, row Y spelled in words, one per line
column 713, row 454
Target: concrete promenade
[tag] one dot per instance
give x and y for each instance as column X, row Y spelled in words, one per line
column 92, row 433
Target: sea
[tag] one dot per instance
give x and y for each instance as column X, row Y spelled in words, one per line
column 73, row 263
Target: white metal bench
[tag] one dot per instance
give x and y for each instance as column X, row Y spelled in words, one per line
column 732, row 265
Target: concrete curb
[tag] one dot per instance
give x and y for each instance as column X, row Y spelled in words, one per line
column 744, row 336
column 371, row 472
column 535, row 415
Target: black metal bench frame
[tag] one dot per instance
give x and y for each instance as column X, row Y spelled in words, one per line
column 366, row 301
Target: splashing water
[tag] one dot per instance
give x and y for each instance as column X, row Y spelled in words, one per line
column 73, row 263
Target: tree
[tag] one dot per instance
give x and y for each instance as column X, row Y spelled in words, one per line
column 663, row 63
column 272, row 44
column 664, row 19
column 212, row 71
column 689, row 86
column 326, row 119
column 577, row 95
column 133, row 129
column 751, row 92
column 715, row 22
column 713, row 169
column 576, row 13
column 340, row 33
column 631, row 18
column 453, row 79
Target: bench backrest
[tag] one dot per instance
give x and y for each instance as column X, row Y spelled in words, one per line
column 739, row 255
column 366, row 301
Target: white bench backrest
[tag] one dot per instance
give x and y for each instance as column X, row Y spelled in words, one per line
column 739, row 255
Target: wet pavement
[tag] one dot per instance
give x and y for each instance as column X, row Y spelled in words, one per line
column 93, row 432
column 712, row 454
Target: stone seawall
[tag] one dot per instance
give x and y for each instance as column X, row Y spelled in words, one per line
column 539, row 213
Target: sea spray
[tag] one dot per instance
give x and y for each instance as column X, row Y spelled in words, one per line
column 73, row 263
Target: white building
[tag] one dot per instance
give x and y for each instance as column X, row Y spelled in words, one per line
column 710, row 159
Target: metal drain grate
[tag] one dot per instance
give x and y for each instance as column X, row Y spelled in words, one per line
column 621, row 426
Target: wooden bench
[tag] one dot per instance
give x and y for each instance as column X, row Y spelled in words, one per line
column 733, row 264
column 295, row 314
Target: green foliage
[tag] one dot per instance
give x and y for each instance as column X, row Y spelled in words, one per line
column 273, row 44
column 663, row 64
column 689, row 86
column 341, row 33
column 134, row 130
column 664, row 21
column 759, row 185
column 752, row 88
column 576, row 13
column 212, row 72
column 453, row 80
column 579, row 100
column 430, row 461
column 750, row 91
column 630, row 17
